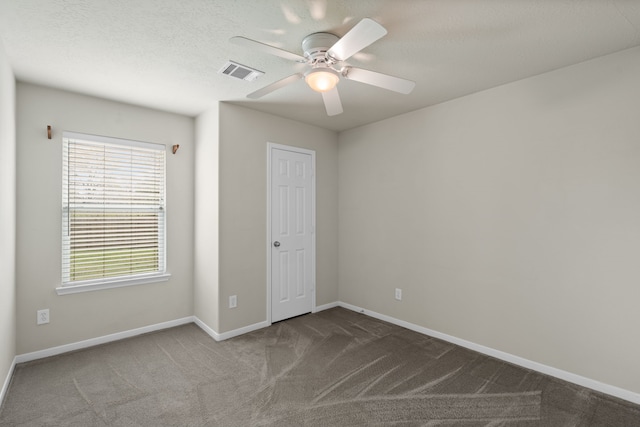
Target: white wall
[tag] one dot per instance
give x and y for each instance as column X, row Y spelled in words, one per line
column 7, row 218
column 244, row 135
column 87, row 315
column 206, row 285
column 510, row 218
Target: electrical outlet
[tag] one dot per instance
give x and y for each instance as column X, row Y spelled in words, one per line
column 43, row 316
column 233, row 301
column 399, row 294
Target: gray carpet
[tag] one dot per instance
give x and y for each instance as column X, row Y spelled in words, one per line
column 333, row 368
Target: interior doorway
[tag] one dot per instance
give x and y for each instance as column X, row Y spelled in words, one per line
column 291, row 231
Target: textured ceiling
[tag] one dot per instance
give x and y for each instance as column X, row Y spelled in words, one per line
column 166, row 54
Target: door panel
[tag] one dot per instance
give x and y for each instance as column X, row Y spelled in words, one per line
column 292, row 229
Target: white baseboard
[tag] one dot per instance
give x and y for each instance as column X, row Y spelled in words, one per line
column 507, row 357
column 53, row 351
column 7, row 381
column 326, row 306
column 209, row 331
column 230, row 334
column 246, row 329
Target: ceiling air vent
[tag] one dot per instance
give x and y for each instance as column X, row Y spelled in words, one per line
column 240, row 71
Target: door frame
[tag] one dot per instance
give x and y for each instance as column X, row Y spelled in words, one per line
column 270, row 147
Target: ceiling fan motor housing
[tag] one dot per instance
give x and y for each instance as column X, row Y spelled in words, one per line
column 315, row 46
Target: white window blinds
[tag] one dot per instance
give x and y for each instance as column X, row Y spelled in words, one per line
column 113, row 209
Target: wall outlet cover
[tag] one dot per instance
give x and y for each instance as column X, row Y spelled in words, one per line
column 42, row 316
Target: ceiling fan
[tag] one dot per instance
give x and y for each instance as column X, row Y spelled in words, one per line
column 324, row 53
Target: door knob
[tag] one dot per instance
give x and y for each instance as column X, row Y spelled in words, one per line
column 276, row 244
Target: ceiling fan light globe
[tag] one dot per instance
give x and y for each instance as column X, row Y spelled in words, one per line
column 322, row 80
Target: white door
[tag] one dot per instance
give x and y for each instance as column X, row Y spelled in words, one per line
column 292, row 243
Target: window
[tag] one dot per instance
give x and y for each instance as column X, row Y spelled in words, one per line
column 113, row 212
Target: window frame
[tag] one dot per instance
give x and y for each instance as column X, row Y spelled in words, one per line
column 161, row 275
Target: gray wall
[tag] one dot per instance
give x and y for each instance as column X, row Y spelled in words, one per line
column 244, row 135
column 510, row 218
column 93, row 314
column 7, row 217
column 206, row 284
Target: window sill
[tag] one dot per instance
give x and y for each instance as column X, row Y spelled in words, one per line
column 97, row 285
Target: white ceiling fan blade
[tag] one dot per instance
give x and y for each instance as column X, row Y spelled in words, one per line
column 275, row 86
column 384, row 81
column 332, row 102
column 243, row 41
column 362, row 35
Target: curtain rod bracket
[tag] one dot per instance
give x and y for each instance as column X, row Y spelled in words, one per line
column 175, row 148
column 48, row 131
